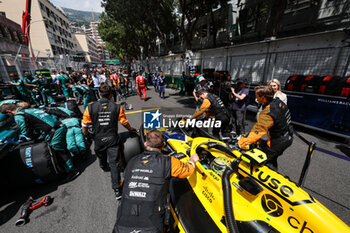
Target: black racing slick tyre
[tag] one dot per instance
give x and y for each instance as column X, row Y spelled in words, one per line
column 130, row 145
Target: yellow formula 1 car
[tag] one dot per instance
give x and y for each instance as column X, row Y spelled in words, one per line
column 232, row 191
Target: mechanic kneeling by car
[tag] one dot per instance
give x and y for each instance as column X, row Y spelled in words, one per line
column 145, row 187
column 275, row 120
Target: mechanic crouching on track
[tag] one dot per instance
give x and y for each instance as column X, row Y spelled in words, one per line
column 37, row 124
column 275, row 120
column 216, row 106
column 104, row 115
column 146, row 185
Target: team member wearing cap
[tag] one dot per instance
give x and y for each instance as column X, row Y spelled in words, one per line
column 202, row 85
column 104, row 116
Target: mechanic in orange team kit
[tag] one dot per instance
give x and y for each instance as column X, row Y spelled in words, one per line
column 144, row 204
column 115, row 78
column 141, row 86
column 215, row 105
column 104, row 115
column 275, row 120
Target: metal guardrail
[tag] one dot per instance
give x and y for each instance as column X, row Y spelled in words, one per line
column 10, row 63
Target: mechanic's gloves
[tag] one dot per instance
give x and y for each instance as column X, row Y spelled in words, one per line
column 243, row 142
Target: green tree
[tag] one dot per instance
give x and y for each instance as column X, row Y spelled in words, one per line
column 129, row 25
column 139, row 22
column 119, row 41
column 190, row 12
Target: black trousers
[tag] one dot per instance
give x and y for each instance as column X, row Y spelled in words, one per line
column 278, row 146
column 114, row 92
column 112, row 154
column 238, row 118
column 225, row 129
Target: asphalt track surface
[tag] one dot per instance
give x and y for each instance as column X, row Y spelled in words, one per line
column 87, row 204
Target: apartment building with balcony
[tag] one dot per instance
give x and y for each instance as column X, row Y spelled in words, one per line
column 93, row 33
column 87, row 47
column 49, row 32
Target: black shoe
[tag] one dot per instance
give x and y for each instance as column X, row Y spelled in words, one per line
column 118, row 193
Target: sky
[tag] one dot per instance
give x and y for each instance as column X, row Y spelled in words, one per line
column 83, row 5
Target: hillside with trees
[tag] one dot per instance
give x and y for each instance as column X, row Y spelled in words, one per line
column 81, row 17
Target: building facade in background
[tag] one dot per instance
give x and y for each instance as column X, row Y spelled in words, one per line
column 50, row 35
column 12, row 44
column 93, row 33
column 87, row 47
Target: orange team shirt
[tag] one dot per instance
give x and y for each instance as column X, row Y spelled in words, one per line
column 261, row 127
column 205, row 105
column 116, row 80
column 180, row 169
column 87, row 119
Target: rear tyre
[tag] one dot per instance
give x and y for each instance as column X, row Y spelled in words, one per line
column 130, row 145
